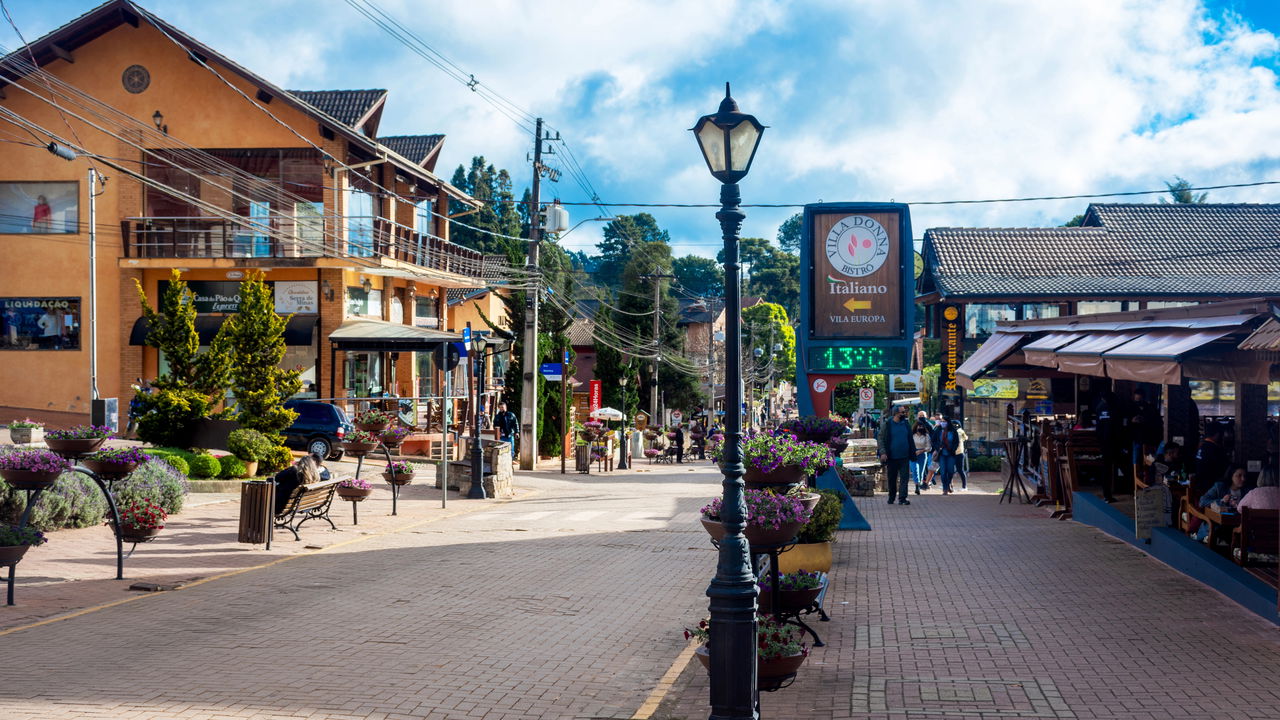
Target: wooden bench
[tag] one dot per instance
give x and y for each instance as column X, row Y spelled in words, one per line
column 308, row 502
column 1258, row 533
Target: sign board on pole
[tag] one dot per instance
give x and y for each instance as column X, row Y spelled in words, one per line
column 952, row 337
column 597, row 394
column 466, row 336
column 866, row 398
column 551, row 371
column 676, row 416
column 642, row 420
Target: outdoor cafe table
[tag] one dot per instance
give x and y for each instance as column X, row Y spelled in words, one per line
column 1220, row 522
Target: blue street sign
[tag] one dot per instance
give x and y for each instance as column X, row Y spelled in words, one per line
column 466, row 335
column 462, row 348
column 551, row 369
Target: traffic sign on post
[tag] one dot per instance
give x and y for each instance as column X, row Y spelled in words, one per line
column 866, row 398
column 551, row 371
column 466, row 336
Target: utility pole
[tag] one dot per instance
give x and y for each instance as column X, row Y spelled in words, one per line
column 529, row 368
column 657, row 279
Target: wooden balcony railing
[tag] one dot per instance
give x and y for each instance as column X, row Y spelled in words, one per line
column 292, row 237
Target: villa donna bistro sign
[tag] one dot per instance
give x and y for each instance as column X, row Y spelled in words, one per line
column 856, row 285
column 222, row 296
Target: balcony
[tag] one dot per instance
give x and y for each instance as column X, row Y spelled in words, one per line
column 294, row 237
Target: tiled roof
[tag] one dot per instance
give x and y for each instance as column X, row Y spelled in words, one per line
column 581, row 333
column 413, row 147
column 1123, row 250
column 348, row 107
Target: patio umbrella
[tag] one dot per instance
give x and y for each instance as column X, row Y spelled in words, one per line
column 607, row 413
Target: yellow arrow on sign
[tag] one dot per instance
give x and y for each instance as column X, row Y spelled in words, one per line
column 858, row 304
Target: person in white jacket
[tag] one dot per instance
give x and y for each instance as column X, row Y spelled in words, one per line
column 962, row 460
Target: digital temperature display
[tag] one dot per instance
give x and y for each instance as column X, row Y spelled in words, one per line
column 857, row 359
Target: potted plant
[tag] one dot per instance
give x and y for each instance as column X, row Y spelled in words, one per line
column 650, row 434
column 652, row 453
column 354, row 489
column 778, row 459
column 141, row 521
column 591, row 429
column 796, row 591
column 15, row 541
column 813, row 429
column 771, row 519
column 359, row 443
column 25, row 431
column 115, row 462
column 779, row 650
column 812, row 551
column 373, row 420
column 393, row 436
column 31, row 468
column 399, row 472
column 77, row 441
column 250, row 446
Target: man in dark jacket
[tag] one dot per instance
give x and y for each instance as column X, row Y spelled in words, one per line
column 679, row 443
column 896, row 448
column 506, row 422
column 946, row 444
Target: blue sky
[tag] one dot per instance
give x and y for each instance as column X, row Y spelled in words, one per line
column 865, row 100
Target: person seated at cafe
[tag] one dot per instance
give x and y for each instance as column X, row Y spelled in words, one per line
column 1211, row 459
column 1166, row 465
column 1227, row 492
column 1264, row 497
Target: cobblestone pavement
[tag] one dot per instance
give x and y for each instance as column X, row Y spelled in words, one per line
column 567, row 604
column 956, row 607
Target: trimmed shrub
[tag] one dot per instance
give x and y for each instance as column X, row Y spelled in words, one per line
column 275, row 460
column 249, row 445
column 232, row 467
column 177, row 463
column 158, row 482
column 205, row 466
column 74, row 501
column 826, row 518
column 984, row 463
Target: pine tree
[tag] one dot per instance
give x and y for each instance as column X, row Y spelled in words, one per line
column 256, row 339
column 195, row 382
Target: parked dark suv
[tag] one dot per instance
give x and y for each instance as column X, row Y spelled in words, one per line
column 320, row 428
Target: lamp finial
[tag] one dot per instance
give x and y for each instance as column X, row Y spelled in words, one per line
column 728, row 104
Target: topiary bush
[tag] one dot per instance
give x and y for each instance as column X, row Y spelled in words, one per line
column 249, row 445
column 205, row 466
column 177, row 463
column 275, row 460
column 984, row 463
column 826, row 518
column 158, row 482
column 232, row 467
column 74, row 501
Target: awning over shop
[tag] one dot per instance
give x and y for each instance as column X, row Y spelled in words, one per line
column 1156, row 356
column 1084, row 356
column 379, row 336
column 996, row 348
column 1040, row 351
column 1266, row 337
column 298, row 332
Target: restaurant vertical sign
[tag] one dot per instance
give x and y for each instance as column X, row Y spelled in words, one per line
column 952, row 331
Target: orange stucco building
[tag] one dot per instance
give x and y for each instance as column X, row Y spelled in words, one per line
column 213, row 171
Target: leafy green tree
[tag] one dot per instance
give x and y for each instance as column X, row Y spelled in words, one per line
column 776, row 278
column 790, row 234
column 750, row 252
column 1180, row 193
column 195, row 382
column 1076, row 221
column 619, row 238
column 680, row 389
column 700, row 276
column 256, row 339
column 763, row 326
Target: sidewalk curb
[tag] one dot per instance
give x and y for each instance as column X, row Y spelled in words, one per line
column 277, row 561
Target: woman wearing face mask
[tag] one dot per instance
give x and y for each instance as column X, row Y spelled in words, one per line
column 924, row 447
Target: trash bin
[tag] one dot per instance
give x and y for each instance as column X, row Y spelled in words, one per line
column 582, row 458
column 257, row 506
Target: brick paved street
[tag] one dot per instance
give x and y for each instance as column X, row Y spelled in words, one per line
column 567, row 604
column 961, row 608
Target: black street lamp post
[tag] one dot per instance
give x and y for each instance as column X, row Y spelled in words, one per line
column 728, row 140
column 477, row 446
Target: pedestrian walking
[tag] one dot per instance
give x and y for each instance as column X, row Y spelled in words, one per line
column 896, row 447
column 679, row 441
column 946, row 440
column 923, row 451
column 962, row 457
column 506, row 423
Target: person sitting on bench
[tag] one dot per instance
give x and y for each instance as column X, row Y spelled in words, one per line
column 308, row 470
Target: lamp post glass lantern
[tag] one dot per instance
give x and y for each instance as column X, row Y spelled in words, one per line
column 728, row 140
column 477, row 447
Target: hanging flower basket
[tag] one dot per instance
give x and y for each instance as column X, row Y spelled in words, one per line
column 360, row 443
column 74, row 447
column 372, row 420
column 779, row 650
column 354, row 494
column 796, row 591
column 31, row 468
column 10, row 554
column 29, row 479
column 778, row 477
column 402, row 475
column 771, row 519
column 768, row 672
column 116, row 462
column 135, row 534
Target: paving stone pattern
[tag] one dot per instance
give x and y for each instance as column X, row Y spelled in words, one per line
column 956, row 607
column 565, row 605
